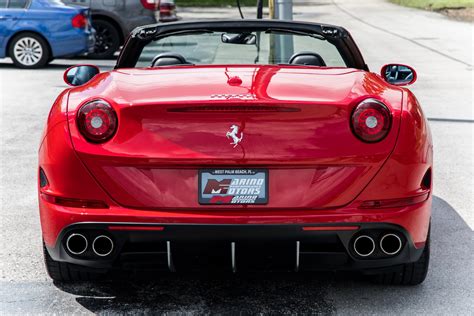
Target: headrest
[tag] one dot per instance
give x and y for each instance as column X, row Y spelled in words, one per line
column 168, row 59
column 307, row 58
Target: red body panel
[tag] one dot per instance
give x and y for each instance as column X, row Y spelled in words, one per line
column 311, row 149
column 173, row 121
column 410, row 218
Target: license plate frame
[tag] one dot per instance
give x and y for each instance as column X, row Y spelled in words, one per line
column 233, row 190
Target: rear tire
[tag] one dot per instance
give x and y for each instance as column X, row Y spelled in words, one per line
column 29, row 51
column 410, row 273
column 66, row 272
column 107, row 39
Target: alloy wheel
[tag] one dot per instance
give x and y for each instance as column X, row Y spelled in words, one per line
column 28, row 51
column 104, row 39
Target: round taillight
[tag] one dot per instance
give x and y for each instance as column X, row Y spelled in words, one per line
column 371, row 120
column 97, row 121
column 79, row 21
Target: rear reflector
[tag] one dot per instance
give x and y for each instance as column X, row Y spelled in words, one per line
column 43, row 181
column 395, row 202
column 73, row 202
column 419, row 245
column 131, row 228
column 426, row 181
column 329, row 228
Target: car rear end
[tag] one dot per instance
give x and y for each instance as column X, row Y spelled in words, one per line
column 281, row 177
column 74, row 34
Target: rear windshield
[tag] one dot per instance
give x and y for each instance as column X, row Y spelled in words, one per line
column 270, row 47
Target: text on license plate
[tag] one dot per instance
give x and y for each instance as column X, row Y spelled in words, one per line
column 233, row 186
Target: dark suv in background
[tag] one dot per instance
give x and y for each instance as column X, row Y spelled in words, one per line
column 114, row 19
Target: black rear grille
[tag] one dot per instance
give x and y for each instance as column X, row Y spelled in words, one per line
column 215, row 256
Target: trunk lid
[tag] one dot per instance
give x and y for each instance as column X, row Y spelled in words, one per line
column 294, row 121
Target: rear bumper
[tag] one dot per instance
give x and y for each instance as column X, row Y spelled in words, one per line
column 178, row 247
column 414, row 219
column 73, row 42
column 144, row 237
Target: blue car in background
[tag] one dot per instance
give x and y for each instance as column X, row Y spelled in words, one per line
column 34, row 32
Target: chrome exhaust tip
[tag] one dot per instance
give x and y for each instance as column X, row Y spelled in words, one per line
column 76, row 244
column 390, row 244
column 102, row 246
column 364, row 246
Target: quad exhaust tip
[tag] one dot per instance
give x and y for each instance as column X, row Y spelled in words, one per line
column 364, row 245
column 390, row 244
column 102, row 246
column 76, row 244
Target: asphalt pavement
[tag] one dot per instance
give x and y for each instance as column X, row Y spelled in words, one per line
column 440, row 50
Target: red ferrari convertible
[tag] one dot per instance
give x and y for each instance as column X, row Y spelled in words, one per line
column 237, row 145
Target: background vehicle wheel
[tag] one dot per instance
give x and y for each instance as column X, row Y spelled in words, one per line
column 28, row 50
column 410, row 273
column 107, row 39
column 66, row 272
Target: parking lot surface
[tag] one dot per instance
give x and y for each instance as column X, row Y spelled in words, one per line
column 438, row 48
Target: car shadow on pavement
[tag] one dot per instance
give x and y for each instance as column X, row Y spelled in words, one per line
column 271, row 293
column 295, row 293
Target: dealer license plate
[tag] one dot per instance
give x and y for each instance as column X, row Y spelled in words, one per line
column 233, row 186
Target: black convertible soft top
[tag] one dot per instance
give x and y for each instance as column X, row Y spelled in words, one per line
column 336, row 35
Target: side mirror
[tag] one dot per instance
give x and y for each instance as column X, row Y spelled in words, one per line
column 79, row 75
column 399, row 75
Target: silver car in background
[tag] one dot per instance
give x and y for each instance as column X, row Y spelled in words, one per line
column 114, row 19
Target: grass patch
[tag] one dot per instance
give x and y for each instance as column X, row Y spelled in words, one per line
column 435, row 4
column 217, row 3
